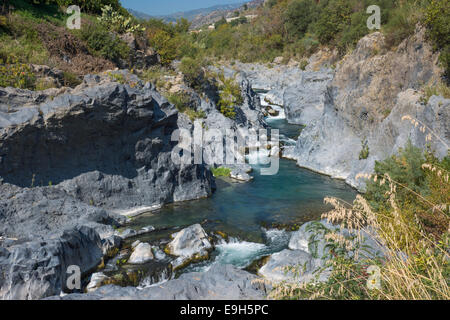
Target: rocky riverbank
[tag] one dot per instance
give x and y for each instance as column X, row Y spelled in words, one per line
column 89, row 157
column 75, row 162
column 354, row 110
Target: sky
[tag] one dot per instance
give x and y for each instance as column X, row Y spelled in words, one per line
column 163, row 7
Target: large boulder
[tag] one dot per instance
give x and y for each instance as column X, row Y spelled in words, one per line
column 189, row 241
column 39, row 269
column 296, row 266
column 142, row 253
column 105, row 144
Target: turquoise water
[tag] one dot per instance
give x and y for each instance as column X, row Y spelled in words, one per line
column 251, row 213
column 294, row 195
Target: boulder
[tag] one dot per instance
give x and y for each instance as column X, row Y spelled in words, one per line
column 294, row 266
column 107, row 148
column 189, row 241
column 97, row 280
column 240, row 175
column 38, row 269
column 141, row 254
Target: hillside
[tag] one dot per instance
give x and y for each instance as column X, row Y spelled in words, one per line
column 203, row 16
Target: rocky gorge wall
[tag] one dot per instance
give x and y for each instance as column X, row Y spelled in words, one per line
column 74, row 161
column 364, row 99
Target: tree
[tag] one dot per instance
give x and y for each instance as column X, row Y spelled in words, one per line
column 221, row 22
column 299, row 15
column 182, row 25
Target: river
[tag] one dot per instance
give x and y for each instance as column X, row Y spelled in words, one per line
column 249, row 212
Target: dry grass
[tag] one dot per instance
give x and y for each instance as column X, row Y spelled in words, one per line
column 415, row 262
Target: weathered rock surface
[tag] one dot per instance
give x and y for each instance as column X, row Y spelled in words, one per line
column 366, row 102
column 221, row 282
column 363, row 100
column 103, row 144
column 293, row 266
column 38, row 269
column 189, row 241
column 76, row 158
column 142, row 253
column 97, row 280
column 306, row 259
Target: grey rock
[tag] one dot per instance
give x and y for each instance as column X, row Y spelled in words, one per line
column 221, row 282
column 239, row 175
column 110, row 243
column 97, row 280
column 38, row 269
column 128, row 233
column 141, row 254
column 103, row 145
column 189, row 241
column 135, row 244
column 295, row 266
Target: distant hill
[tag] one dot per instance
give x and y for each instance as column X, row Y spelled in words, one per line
column 199, row 17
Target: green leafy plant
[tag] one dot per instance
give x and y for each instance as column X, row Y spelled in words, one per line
column 221, row 172
column 17, row 75
column 230, row 96
column 364, row 153
column 112, row 19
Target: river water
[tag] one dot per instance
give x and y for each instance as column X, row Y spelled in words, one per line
column 248, row 212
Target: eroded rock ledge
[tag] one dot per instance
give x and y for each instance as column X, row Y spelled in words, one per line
column 362, row 100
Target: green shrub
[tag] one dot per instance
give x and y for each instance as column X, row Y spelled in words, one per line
column 193, row 72
column 298, row 16
column 230, row 96
column 401, row 25
column 17, row 75
column 183, row 103
column 165, row 45
column 364, row 153
column 70, row 79
column 405, row 168
column 221, row 172
column 437, row 20
column 91, row 6
column 103, row 43
column 117, row 22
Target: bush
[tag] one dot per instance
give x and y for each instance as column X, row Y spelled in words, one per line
column 405, row 168
column 117, row 22
column 230, row 96
column 364, row 154
column 103, row 43
column 164, row 44
column 221, row 172
column 182, row 102
column 17, row 75
column 193, row 72
column 401, row 25
column 437, row 20
column 298, row 16
column 91, row 6
column 71, row 79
